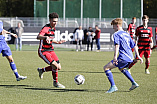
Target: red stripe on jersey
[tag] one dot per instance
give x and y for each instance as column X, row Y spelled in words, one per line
column 46, row 31
column 144, row 35
column 131, row 29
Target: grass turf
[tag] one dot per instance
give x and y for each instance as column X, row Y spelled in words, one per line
column 34, row 90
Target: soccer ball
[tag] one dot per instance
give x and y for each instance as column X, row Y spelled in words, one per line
column 79, row 79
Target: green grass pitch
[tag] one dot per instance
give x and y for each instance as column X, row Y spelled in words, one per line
column 34, row 90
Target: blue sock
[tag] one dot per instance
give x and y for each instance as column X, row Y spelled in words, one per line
column 128, row 75
column 110, row 77
column 13, row 67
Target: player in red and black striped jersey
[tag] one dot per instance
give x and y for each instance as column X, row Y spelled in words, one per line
column 131, row 29
column 144, row 41
column 46, row 49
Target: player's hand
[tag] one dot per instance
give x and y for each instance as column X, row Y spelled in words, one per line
column 62, row 41
column 48, row 40
column 139, row 58
column 115, row 61
column 14, row 35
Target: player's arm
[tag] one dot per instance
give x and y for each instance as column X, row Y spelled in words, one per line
column 41, row 37
column 151, row 39
column 116, row 54
column 137, row 54
column 136, row 36
column 7, row 32
column 128, row 29
column 58, row 42
column 151, row 42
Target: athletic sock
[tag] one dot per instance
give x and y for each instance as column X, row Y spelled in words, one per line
column 110, row 77
column 147, row 63
column 55, row 75
column 13, row 67
column 128, row 75
column 46, row 69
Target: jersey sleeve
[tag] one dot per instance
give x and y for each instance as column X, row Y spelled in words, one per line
column 116, row 39
column 43, row 31
column 128, row 28
column 137, row 32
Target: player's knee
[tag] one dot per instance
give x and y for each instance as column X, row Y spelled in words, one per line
column 56, row 65
column 10, row 60
column 59, row 67
column 135, row 61
column 105, row 68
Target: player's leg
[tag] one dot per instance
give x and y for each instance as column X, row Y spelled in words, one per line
column 20, row 43
column 51, row 58
column 88, row 42
column 77, row 43
column 128, row 75
column 81, row 48
column 107, row 69
column 14, row 69
column 92, row 45
column 147, row 63
column 55, row 68
column 46, row 56
column 134, row 61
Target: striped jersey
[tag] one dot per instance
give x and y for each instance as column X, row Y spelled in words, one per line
column 125, row 43
column 131, row 28
column 46, row 31
column 144, row 35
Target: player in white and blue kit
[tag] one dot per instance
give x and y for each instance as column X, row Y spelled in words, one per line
column 5, row 50
column 123, row 45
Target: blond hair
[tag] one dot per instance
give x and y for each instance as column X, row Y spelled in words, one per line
column 117, row 21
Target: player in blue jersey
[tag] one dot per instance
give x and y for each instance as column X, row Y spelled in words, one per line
column 123, row 45
column 5, row 50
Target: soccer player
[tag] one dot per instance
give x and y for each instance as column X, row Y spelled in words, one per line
column 131, row 29
column 123, row 45
column 5, row 50
column 46, row 49
column 144, row 41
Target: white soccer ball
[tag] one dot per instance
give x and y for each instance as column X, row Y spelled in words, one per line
column 79, row 79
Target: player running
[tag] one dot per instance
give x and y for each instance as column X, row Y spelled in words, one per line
column 46, row 49
column 131, row 29
column 144, row 41
column 123, row 45
column 5, row 50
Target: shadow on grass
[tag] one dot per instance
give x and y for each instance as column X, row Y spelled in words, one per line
column 15, row 86
column 71, row 90
column 28, row 87
column 65, row 90
column 87, row 72
column 89, row 60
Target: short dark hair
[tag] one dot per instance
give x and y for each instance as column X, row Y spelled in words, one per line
column 53, row 15
column 145, row 17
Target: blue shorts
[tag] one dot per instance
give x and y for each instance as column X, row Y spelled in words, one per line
column 5, row 49
column 122, row 63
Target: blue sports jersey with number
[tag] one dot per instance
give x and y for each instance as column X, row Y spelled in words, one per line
column 125, row 43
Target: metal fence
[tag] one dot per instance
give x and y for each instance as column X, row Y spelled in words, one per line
column 67, row 22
